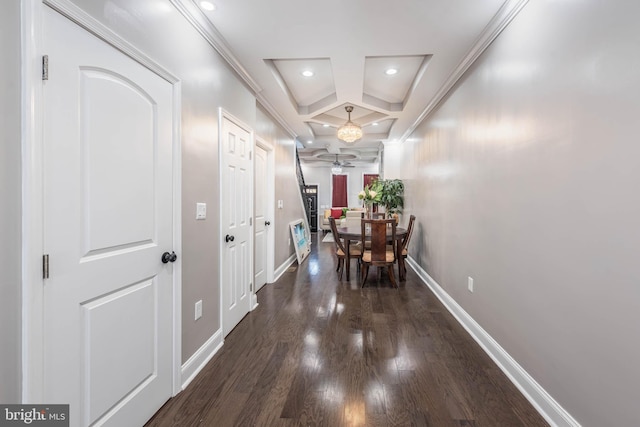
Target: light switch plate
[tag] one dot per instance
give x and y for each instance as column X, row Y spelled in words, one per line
column 201, row 210
column 198, row 311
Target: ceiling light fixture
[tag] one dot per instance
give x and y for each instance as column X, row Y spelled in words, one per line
column 349, row 132
column 336, row 167
column 391, row 71
column 307, row 73
column 309, row 141
column 325, row 125
column 375, row 124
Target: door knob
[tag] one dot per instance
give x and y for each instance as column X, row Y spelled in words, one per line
column 169, row 257
column 267, row 223
column 229, row 238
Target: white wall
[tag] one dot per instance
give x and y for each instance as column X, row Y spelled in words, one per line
column 10, row 202
column 355, row 182
column 286, row 185
column 526, row 179
column 321, row 176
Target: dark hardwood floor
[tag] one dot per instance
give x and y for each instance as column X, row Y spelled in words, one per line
column 319, row 352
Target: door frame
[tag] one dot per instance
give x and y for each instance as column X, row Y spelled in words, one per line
column 331, row 188
column 262, row 143
column 33, row 187
column 222, row 115
column 318, row 214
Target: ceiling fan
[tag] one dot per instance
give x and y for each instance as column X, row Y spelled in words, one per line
column 343, row 164
column 336, row 167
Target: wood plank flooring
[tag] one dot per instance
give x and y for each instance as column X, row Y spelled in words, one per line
column 320, row 352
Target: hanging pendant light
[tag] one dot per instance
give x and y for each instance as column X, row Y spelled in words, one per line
column 336, row 169
column 349, row 132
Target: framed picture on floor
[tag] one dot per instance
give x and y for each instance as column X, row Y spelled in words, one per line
column 300, row 239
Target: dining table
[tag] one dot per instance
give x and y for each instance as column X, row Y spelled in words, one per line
column 354, row 233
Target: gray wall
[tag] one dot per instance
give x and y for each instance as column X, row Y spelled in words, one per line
column 10, row 202
column 526, row 179
column 207, row 84
column 286, row 184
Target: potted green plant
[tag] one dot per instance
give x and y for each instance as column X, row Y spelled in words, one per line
column 392, row 196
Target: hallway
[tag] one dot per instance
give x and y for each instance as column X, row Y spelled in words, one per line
column 319, row 352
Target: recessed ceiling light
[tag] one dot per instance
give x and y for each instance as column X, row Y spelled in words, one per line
column 307, row 73
column 391, row 71
column 375, row 123
column 309, row 142
column 207, row 5
column 325, row 125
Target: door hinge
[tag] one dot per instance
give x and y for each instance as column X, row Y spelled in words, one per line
column 250, row 153
column 45, row 67
column 45, row 266
column 250, row 221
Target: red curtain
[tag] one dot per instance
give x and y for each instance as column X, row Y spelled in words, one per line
column 368, row 179
column 339, row 196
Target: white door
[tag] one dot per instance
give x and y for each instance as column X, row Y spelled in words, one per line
column 261, row 219
column 235, row 216
column 108, row 219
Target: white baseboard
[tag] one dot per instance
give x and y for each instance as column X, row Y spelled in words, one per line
column 194, row 365
column 283, row 267
column 551, row 410
column 254, row 301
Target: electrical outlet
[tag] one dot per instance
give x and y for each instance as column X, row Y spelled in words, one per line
column 470, row 283
column 198, row 309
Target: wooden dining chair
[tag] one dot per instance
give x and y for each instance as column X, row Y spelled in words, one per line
column 374, row 215
column 404, row 245
column 355, row 250
column 380, row 255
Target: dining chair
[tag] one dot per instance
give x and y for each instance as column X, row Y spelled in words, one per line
column 355, row 250
column 380, row 254
column 374, row 215
column 405, row 249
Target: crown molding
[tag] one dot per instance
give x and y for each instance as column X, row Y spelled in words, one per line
column 498, row 23
column 274, row 113
column 200, row 22
column 211, row 34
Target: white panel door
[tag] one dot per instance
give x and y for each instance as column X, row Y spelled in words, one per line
column 108, row 219
column 260, row 210
column 236, row 194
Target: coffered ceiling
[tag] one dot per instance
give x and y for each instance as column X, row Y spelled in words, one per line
column 306, row 61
